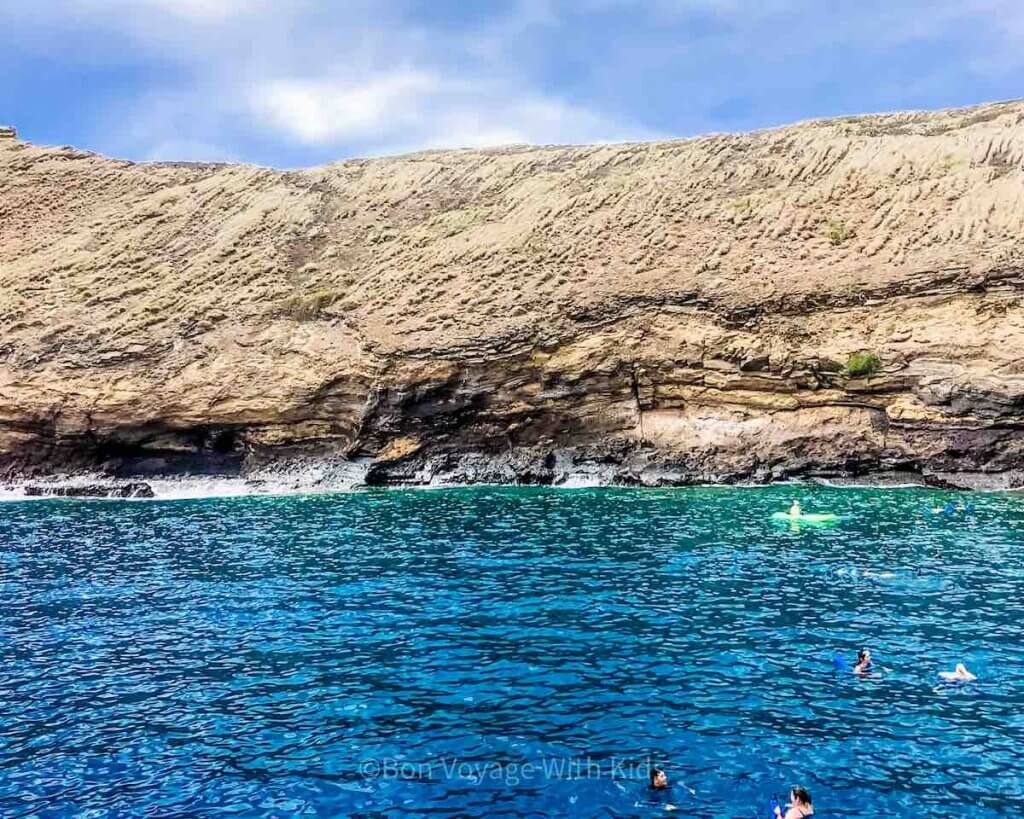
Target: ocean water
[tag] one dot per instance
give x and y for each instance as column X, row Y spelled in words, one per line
column 510, row 652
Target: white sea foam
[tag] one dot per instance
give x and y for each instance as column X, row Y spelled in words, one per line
column 581, row 481
column 308, row 477
column 298, row 478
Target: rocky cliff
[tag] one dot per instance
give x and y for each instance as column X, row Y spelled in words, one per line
column 839, row 298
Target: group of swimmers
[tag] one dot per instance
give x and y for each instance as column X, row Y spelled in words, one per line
column 799, row 806
column 948, row 508
column 959, row 674
column 863, row 665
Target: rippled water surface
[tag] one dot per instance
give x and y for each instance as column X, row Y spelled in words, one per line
column 509, row 653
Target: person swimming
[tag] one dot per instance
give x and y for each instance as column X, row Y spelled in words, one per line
column 799, row 806
column 863, row 662
column 660, row 793
column 795, row 514
column 961, row 674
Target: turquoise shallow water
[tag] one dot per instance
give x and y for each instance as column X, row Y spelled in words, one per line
column 520, row 652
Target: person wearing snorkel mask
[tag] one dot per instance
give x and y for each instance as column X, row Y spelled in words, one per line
column 863, row 662
column 799, row 807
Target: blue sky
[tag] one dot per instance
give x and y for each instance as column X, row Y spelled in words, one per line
column 298, row 82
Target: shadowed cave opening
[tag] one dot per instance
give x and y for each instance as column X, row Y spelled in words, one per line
column 200, row 451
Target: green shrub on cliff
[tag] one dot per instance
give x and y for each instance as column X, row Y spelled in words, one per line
column 862, row 365
column 838, row 232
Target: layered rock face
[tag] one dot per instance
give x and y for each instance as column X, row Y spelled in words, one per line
column 672, row 312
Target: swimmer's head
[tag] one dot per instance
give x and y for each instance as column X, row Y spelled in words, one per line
column 863, row 656
column 800, row 796
column 659, row 781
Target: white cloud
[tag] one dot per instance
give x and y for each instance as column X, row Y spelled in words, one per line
column 304, row 78
column 197, row 11
column 409, row 110
column 308, row 80
column 325, row 111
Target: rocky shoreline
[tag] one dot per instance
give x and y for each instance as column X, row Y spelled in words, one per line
column 563, row 468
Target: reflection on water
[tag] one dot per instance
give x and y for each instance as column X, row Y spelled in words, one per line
column 508, row 653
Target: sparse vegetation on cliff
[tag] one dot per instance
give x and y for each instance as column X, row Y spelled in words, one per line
column 838, row 232
column 308, row 306
column 862, row 364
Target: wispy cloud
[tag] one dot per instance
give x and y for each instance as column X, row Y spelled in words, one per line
column 321, row 111
column 304, row 81
column 200, row 11
column 364, row 81
column 408, row 109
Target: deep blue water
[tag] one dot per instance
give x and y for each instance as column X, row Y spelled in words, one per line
column 518, row 652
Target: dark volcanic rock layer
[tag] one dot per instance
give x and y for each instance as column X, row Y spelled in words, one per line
column 92, row 490
column 664, row 313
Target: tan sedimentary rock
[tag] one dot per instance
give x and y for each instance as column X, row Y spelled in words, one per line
column 661, row 312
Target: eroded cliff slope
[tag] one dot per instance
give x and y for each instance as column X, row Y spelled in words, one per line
column 667, row 312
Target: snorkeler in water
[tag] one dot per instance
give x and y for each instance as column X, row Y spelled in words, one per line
column 960, row 674
column 799, row 807
column 863, row 665
column 952, row 508
column 795, row 509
